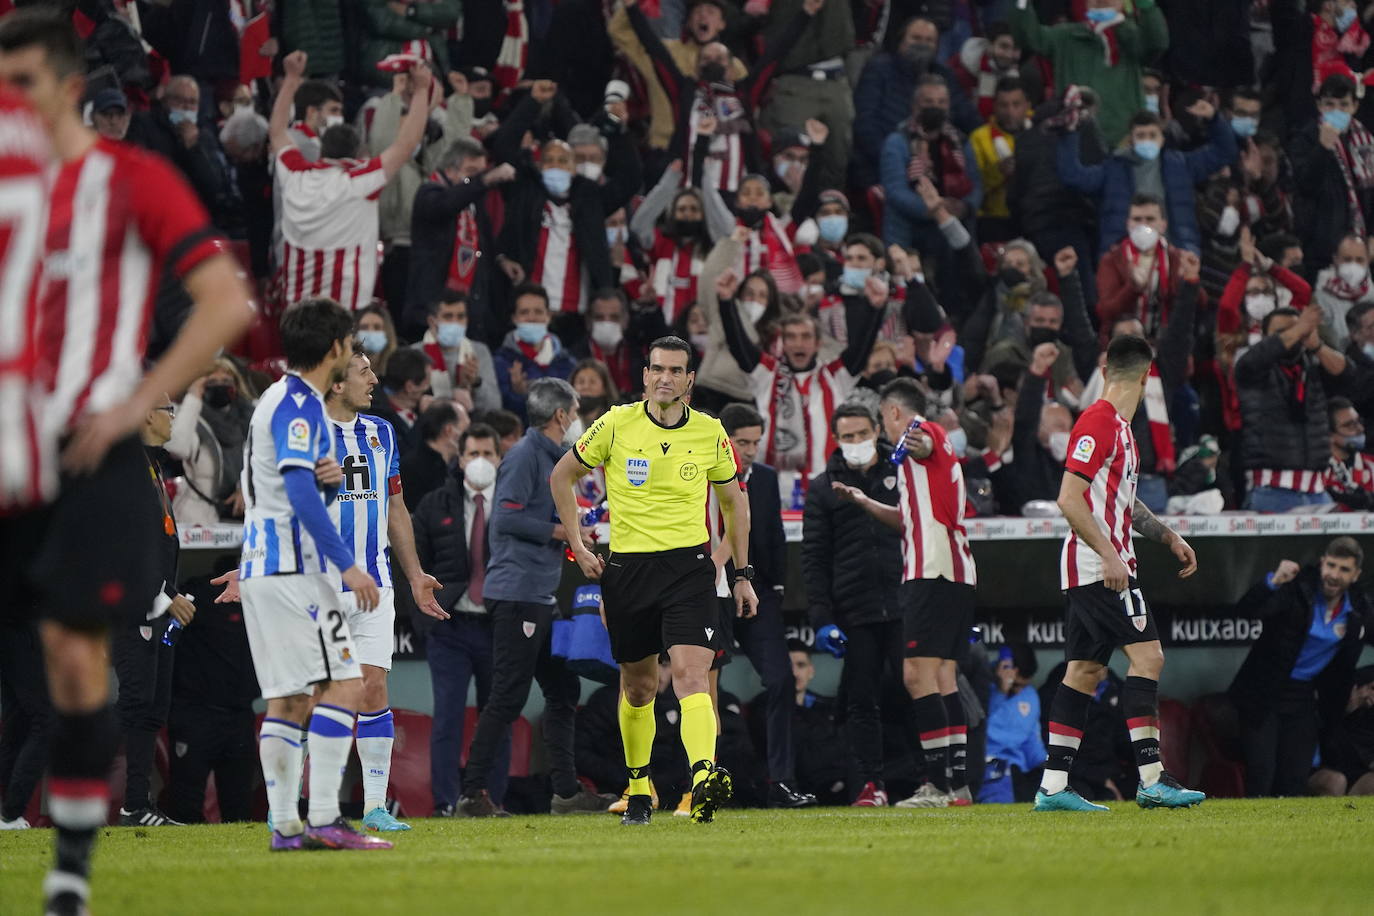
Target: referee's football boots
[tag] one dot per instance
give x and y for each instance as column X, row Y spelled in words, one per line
column 709, row 795
column 638, row 810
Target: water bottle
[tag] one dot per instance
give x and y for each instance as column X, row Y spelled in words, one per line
column 590, row 520
column 899, row 453
column 798, row 495
column 169, row 638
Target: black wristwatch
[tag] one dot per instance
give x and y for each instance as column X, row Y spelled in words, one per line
column 746, row 573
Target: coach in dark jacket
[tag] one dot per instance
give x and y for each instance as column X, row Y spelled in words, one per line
column 1283, row 382
column 1294, row 683
column 852, row 565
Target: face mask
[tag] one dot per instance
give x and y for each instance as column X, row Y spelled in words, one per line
column 1146, row 149
column 1229, row 221
column 859, row 454
column 1010, row 277
column 372, row 341
column 1344, row 18
column 607, row 334
column 219, row 395
column 750, row 216
column 781, row 168
column 958, row 440
column 332, row 121
column 574, row 431
column 713, row 72
column 590, row 170
column 813, row 291
column 1036, row 336
column 1244, row 125
column 1258, row 305
column 177, row 116
column 919, row 55
column 700, row 341
column 1144, row 238
column 685, row 228
column 1367, row 350
column 1355, row 443
column 557, row 181
column 833, row 227
column 479, row 473
column 1353, row 273
column 450, row 334
column 1100, row 14
column 855, row 277
column 531, row 332
column 753, row 311
column 1340, row 120
column 614, row 235
column 1152, row 104
column 931, row 119
column 1059, row 445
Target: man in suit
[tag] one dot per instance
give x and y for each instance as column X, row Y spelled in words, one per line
column 451, row 525
column 763, row 638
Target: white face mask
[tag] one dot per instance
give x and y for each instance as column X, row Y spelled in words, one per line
column 1144, row 238
column 591, row 170
column 1229, row 222
column 607, row 334
column 813, row 291
column 1258, row 305
column 332, row 121
column 479, row 473
column 753, row 311
column 1353, row 273
column 574, row 431
column 1059, row 445
column 859, row 454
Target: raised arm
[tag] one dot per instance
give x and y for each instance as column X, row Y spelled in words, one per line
column 293, row 65
column 654, row 203
column 412, row 129
column 1086, row 179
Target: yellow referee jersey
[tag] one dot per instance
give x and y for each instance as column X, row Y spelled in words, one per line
column 656, row 476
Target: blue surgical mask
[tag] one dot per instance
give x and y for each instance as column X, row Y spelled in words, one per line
column 1344, row 18
column 1152, row 103
column 1100, row 14
column 531, row 332
column 177, row 116
column 1355, row 443
column 373, row 341
column 557, row 181
column 855, row 277
column 1367, row 349
column 833, row 227
column 958, row 440
column 1337, row 119
column 1245, row 126
column 614, row 235
column 1146, row 149
column 780, row 168
column 450, row 334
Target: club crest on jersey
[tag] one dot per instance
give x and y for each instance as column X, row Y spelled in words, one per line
column 637, row 471
column 375, row 443
column 346, row 655
column 298, row 435
column 1339, row 630
column 1083, row 448
column 528, row 628
column 1023, row 708
column 146, row 633
column 890, row 481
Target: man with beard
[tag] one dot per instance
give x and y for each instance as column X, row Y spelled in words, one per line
column 1283, row 383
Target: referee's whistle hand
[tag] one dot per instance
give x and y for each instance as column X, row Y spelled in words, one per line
column 363, row 587
column 592, row 564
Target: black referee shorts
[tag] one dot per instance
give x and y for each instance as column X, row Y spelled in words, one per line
column 1098, row 621
column 91, row 559
column 655, row 601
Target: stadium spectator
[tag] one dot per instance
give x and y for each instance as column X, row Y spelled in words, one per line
column 1292, row 688
column 530, row 352
column 425, row 467
column 452, row 525
column 1140, row 276
column 1348, row 758
column 616, row 341
column 244, row 138
column 985, row 61
column 994, row 149
column 1359, row 352
column 1342, row 286
column 208, row 431
column 822, row 754
column 1015, row 751
column 1283, row 383
column 376, row 332
column 1350, row 479
column 318, row 106
column 1333, row 172
column 110, row 114
column 460, row 365
column 851, row 565
column 507, row 425
column 400, row 396
column 401, row 29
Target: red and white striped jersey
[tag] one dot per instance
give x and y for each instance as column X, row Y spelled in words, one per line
column 1301, row 481
column 674, row 271
column 27, row 456
column 934, row 543
column 558, row 264
column 120, row 217
column 797, row 407
column 1102, row 451
column 329, row 227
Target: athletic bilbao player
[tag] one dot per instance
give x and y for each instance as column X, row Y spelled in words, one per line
column 117, row 218
column 1106, row 610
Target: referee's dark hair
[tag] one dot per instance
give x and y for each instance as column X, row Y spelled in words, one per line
column 407, row 364
column 670, row 342
column 433, row 419
column 851, row 410
column 907, row 392
column 310, row 328
column 739, row 416
column 48, row 29
column 1128, row 356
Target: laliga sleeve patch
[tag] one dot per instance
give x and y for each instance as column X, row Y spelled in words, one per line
column 1083, row 448
column 298, row 435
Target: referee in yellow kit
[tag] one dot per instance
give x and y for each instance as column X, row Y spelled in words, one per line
column 659, row 583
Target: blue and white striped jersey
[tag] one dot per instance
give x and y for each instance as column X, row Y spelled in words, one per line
column 366, row 450
column 288, row 429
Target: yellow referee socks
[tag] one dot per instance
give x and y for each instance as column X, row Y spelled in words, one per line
column 698, row 732
column 637, row 733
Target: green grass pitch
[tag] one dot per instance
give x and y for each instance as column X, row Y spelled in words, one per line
column 1246, row 857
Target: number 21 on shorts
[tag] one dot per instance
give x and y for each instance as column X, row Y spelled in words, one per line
column 1135, row 609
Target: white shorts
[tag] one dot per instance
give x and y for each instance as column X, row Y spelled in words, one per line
column 298, row 633
column 373, row 631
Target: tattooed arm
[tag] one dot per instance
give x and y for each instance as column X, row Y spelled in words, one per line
column 1147, row 525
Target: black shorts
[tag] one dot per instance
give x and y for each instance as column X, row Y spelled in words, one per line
column 93, row 558
column 725, row 634
column 655, row 601
column 937, row 615
column 1098, row 621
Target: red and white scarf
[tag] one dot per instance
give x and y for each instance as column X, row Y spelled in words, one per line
column 462, row 267
column 769, row 248
column 1106, row 33
column 1342, row 290
column 1329, row 46
column 515, row 48
column 952, row 179
column 1156, row 292
column 1156, row 412
column 1355, row 154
